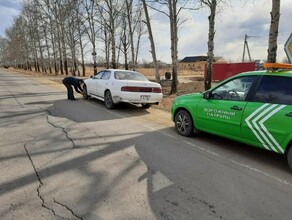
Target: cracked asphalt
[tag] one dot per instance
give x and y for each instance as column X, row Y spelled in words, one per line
column 77, row 160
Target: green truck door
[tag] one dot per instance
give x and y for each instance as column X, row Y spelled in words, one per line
column 221, row 112
column 222, row 117
column 266, row 125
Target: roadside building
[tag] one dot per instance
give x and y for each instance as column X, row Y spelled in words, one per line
column 195, row 63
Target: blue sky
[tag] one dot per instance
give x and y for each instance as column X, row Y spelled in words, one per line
column 8, row 10
column 232, row 23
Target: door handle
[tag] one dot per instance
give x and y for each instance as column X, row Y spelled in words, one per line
column 236, row 108
column 289, row 114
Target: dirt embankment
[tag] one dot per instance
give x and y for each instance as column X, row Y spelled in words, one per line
column 183, row 88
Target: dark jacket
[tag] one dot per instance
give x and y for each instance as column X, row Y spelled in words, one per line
column 73, row 81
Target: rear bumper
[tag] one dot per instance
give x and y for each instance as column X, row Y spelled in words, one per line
column 137, row 98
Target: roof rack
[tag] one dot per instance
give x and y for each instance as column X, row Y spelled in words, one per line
column 276, row 66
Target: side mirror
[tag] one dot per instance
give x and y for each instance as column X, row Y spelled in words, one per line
column 207, row 95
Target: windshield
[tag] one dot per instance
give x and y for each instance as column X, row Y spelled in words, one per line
column 125, row 75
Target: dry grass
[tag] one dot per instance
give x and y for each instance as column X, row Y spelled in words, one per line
column 151, row 72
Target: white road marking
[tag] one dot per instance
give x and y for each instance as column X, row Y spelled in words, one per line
column 160, row 181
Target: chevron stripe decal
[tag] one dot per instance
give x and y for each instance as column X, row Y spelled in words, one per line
column 255, row 122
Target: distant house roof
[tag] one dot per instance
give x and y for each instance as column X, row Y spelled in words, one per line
column 193, row 59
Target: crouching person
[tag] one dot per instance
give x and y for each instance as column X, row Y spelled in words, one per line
column 70, row 81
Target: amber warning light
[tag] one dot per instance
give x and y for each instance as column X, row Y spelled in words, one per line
column 277, row 66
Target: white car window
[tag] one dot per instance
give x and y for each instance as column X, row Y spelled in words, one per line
column 126, row 75
column 106, row 75
column 98, row 75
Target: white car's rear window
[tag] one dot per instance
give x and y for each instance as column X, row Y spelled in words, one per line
column 125, row 75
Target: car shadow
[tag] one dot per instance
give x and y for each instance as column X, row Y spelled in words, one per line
column 92, row 110
column 236, row 149
column 121, row 106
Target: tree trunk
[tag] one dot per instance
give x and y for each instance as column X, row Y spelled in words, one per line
column 41, row 62
column 107, row 50
column 139, row 35
column 275, row 17
column 53, row 37
column 174, row 41
column 81, row 47
column 129, row 4
column 60, row 52
column 48, row 51
column 113, row 44
column 208, row 78
column 112, row 31
column 64, row 49
column 125, row 49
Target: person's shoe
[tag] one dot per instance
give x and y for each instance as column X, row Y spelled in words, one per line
column 73, row 99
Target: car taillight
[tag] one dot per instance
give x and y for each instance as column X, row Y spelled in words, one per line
column 157, row 90
column 130, row 89
column 140, row 89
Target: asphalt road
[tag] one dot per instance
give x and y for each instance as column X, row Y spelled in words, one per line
column 64, row 159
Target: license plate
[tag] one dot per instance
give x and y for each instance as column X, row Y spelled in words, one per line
column 144, row 97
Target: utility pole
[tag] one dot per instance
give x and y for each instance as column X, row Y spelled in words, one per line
column 246, row 46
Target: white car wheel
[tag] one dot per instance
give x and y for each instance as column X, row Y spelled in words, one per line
column 108, row 101
column 84, row 93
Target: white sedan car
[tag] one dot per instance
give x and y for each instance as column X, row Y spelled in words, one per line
column 115, row 86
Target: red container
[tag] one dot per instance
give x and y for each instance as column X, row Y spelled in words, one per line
column 222, row 71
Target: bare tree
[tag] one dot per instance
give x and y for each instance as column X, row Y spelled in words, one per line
column 213, row 7
column 56, row 14
column 134, row 14
column 129, row 13
column 172, row 14
column 275, row 17
column 153, row 50
column 110, row 12
column 89, row 13
column 71, row 35
column 140, row 31
column 173, row 19
column 81, row 33
column 31, row 32
column 174, row 8
column 124, row 41
column 113, row 9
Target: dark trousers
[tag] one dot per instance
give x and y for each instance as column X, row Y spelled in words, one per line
column 69, row 91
